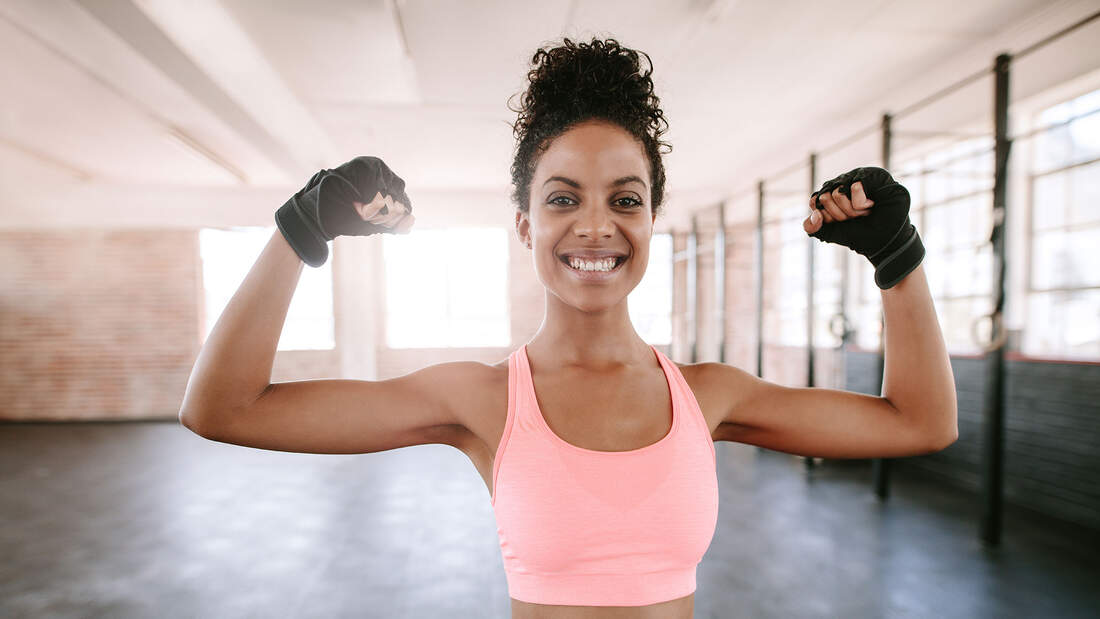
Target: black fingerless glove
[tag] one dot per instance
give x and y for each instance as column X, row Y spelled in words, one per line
column 885, row 235
column 323, row 209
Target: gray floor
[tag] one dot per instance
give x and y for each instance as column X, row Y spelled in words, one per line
column 149, row 520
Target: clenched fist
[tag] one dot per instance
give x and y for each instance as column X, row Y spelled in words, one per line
column 359, row 198
column 867, row 211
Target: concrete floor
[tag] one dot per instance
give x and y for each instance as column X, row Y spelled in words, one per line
column 149, row 520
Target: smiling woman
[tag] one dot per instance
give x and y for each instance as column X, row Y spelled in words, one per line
column 603, row 484
column 614, row 429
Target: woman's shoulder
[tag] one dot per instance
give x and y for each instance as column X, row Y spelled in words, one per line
column 482, row 384
column 707, row 376
column 696, row 376
column 714, row 386
column 480, row 400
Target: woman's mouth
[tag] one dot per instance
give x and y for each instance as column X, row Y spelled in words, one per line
column 593, row 270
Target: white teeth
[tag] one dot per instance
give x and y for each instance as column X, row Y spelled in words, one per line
column 587, row 265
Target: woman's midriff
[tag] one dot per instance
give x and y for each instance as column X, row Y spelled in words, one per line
column 680, row 608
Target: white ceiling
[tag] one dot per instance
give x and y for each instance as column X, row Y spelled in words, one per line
column 132, row 91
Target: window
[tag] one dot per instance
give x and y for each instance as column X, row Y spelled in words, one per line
column 650, row 303
column 1063, row 292
column 951, row 192
column 786, row 277
column 828, row 272
column 228, row 255
column 447, row 288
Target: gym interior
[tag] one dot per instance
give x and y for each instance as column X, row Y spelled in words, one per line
column 145, row 146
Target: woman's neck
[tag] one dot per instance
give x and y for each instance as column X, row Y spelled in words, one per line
column 606, row 339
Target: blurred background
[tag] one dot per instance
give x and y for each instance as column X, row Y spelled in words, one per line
column 146, row 144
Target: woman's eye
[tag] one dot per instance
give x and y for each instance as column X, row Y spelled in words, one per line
column 627, row 202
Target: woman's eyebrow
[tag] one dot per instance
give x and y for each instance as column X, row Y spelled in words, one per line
column 615, row 183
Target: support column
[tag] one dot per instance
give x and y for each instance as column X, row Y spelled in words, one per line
column 880, row 467
column 720, row 281
column 760, row 279
column 810, row 277
column 693, row 287
column 994, row 414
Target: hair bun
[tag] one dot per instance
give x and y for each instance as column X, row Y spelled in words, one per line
column 582, row 80
column 573, row 82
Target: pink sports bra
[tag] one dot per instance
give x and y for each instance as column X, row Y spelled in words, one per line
column 581, row 527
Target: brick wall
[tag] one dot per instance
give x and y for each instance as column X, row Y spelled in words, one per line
column 741, row 296
column 105, row 324
column 681, row 343
column 96, row 323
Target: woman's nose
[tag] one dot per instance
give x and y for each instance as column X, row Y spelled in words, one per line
column 594, row 222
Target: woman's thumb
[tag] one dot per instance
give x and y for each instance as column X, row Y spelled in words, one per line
column 812, row 223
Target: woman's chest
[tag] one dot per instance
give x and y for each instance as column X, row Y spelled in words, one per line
column 594, row 413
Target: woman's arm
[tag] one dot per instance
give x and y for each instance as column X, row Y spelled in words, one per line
column 230, row 398
column 915, row 415
column 917, row 412
column 234, row 366
column 917, row 379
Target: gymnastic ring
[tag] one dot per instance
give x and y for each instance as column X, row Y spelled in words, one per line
column 1000, row 335
column 845, row 326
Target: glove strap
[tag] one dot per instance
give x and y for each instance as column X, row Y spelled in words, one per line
column 301, row 233
column 899, row 258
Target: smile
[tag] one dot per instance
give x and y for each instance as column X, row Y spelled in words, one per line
column 596, row 274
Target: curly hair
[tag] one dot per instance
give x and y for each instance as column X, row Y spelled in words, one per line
column 574, row 82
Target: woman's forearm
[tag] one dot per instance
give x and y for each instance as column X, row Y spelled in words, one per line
column 234, row 366
column 917, row 377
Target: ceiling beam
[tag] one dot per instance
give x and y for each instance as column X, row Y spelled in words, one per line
column 204, row 50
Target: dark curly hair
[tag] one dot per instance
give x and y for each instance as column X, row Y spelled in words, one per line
column 574, row 82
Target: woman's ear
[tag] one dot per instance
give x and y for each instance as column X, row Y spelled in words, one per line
column 523, row 228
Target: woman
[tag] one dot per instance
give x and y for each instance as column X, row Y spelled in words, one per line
column 603, row 485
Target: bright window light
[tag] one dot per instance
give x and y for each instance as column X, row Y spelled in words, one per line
column 228, row 255
column 650, row 303
column 1063, row 295
column 447, row 288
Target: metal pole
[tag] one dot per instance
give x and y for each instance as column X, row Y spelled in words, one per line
column 994, row 430
column 811, row 241
column 720, row 280
column 880, row 467
column 760, row 279
column 810, row 285
column 693, row 287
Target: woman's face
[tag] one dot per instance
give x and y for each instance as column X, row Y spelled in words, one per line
column 590, row 193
